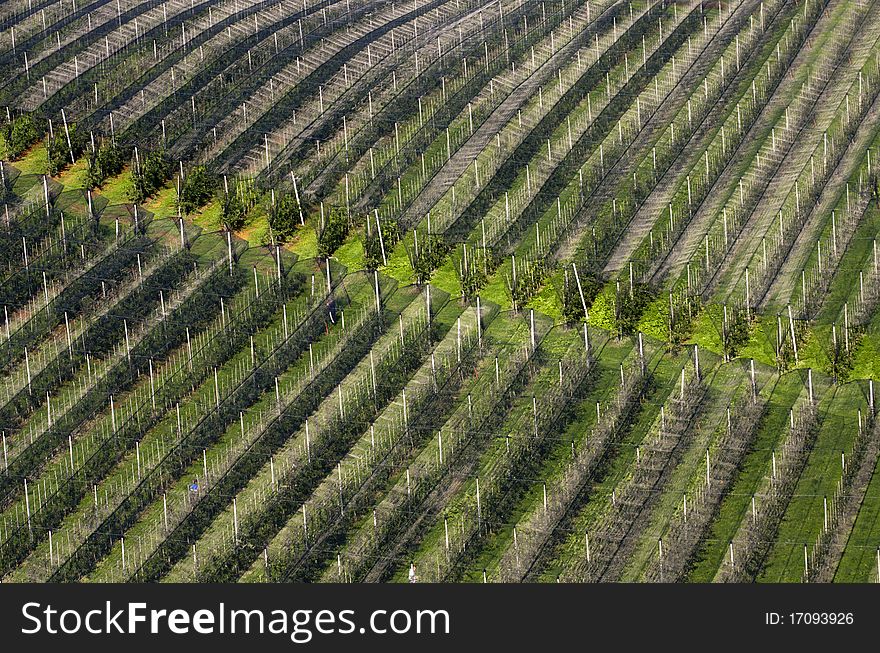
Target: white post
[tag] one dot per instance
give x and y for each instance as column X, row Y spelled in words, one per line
column 580, row 291
column 708, row 480
column 825, row 512
column 27, row 503
column 235, row 519
column 532, row 321
column 376, row 284
column 479, row 325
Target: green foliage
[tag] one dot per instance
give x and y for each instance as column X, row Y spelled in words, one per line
column 5, row 187
column 20, row 134
column 373, row 245
column 150, row 175
column 785, row 348
column 236, row 204
column 472, row 277
column 525, row 281
column 335, row 230
column 59, row 157
column 629, row 304
column 602, row 309
column 195, row 313
column 233, row 212
column 60, row 149
column 572, row 307
column 655, row 323
column 105, row 162
column 284, row 217
column 736, row 333
column 473, row 267
column 197, row 189
column 672, row 318
column 426, row 255
column 841, row 353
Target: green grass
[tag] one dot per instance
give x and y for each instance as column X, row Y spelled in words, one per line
column 164, row 203
column 602, row 390
column 666, row 371
column 549, row 299
column 217, row 451
column 305, row 243
column 209, row 217
column 399, row 266
column 722, row 385
column 75, row 177
column 35, row 161
column 118, row 189
column 351, row 254
column 496, row 291
column 602, row 310
column 762, row 341
column 503, row 335
column 859, row 561
column 257, row 231
column 771, row 430
column 866, row 358
column 446, row 278
column 804, row 516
